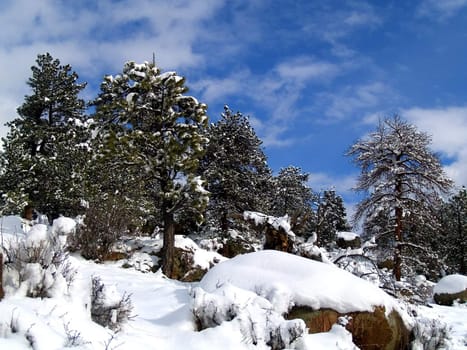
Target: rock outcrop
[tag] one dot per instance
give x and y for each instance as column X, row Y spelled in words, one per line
column 370, row 330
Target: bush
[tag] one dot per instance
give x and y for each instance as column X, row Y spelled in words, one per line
column 429, row 334
column 107, row 308
column 103, row 225
column 38, row 263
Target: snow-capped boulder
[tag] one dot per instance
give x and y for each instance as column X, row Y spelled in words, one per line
column 450, row 288
column 348, row 240
column 277, row 230
column 301, row 288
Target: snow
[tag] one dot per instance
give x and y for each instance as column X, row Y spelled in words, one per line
column 257, row 287
column 279, row 223
column 451, row 284
column 11, row 225
column 201, row 257
column 347, row 236
column 37, row 236
column 287, row 280
column 63, row 226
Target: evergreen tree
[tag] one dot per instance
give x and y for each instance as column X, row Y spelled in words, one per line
column 291, row 195
column 330, row 217
column 235, row 168
column 400, row 175
column 46, row 150
column 453, row 245
column 149, row 123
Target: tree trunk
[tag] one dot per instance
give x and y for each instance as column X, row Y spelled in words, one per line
column 2, row 293
column 168, row 249
column 397, row 270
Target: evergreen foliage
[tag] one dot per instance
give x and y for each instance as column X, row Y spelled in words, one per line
column 331, row 217
column 401, row 177
column 46, row 150
column 292, row 196
column 453, row 246
column 236, row 170
column 147, row 122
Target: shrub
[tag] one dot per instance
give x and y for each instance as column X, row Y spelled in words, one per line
column 39, row 263
column 108, row 309
column 103, row 225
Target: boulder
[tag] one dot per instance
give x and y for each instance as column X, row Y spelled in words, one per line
column 233, row 246
column 449, row 289
column 185, row 269
column 348, row 240
column 370, row 330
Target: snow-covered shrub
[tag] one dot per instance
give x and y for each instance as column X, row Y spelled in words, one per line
column 429, row 334
column 108, row 308
column 253, row 314
column 37, row 264
column 104, row 223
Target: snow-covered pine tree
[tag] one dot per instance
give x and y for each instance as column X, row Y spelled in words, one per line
column 453, row 245
column 400, row 174
column 149, row 122
column 291, row 195
column 236, row 170
column 46, row 150
column 331, row 217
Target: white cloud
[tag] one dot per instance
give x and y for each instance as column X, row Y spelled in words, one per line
column 276, row 91
column 304, row 69
column 448, row 127
column 352, row 99
column 97, row 38
column 440, row 9
column 342, row 184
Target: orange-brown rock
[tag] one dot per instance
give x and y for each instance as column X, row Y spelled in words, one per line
column 370, row 330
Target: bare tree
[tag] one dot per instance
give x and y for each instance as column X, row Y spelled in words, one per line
column 401, row 175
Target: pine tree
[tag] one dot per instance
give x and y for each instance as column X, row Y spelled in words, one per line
column 453, row 245
column 149, row 123
column 401, row 175
column 330, row 217
column 292, row 196
column 235, row 168
column 46, row 150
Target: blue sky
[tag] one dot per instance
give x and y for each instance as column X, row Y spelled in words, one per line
column 313, row 75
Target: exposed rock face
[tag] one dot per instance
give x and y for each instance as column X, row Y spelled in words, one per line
column 278, row 240
column 370, row 330
column 449, row 298
column 346, row 243
column 185, row 269
column 234, row 246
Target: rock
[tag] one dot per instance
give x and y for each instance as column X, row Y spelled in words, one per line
column 278, row 240
column 185, row 269
column 370, row 330
column 449, row 289
column 348, row 240
column 233, row 246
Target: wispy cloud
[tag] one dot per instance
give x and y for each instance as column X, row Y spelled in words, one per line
column 440, row 9
column 351, row 100
column 276, row 92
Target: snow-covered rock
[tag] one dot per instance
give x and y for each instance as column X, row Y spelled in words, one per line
column 288, row 280
column 450, row 288
column 315, row 292
column 63, row 226
column 348, row 240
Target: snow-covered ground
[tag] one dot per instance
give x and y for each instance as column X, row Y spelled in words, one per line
column 164, row 308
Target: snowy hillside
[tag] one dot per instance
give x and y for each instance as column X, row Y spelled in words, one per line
column 254, row 289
